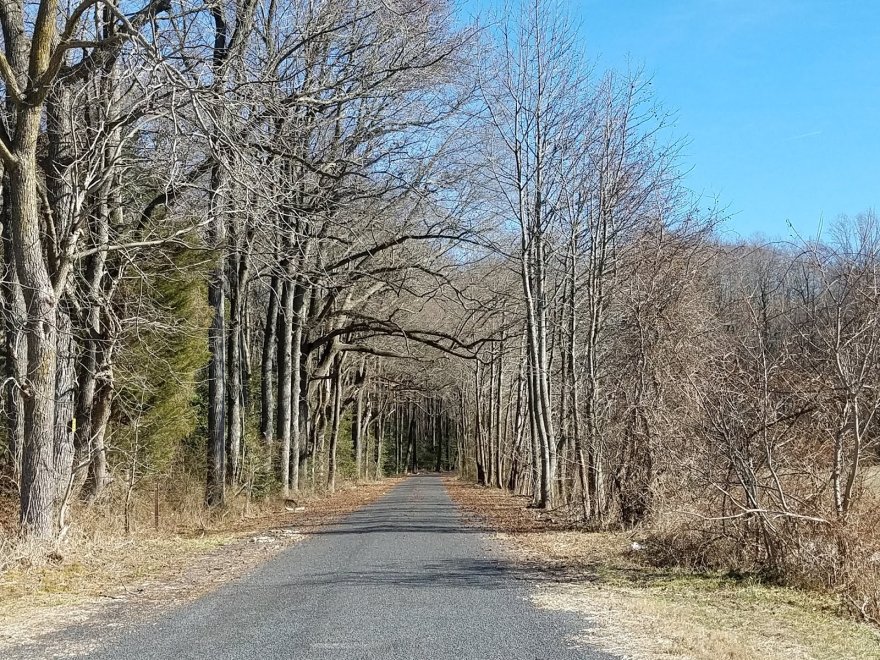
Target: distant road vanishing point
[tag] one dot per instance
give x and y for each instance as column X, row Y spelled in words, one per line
column 401, row 578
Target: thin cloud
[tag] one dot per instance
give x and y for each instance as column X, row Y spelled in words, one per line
column 804, row 135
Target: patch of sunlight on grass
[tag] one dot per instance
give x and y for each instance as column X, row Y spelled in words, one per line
column 656, row 613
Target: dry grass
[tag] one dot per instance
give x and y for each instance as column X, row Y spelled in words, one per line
column 45, row 588
column 643, row 612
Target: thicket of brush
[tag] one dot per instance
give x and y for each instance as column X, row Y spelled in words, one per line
column 727, row 407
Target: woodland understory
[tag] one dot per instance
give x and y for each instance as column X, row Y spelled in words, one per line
column 265, row 245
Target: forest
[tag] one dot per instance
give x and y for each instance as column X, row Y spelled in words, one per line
column 252, row 248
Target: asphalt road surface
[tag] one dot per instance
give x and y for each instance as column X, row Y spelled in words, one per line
column 401, row 578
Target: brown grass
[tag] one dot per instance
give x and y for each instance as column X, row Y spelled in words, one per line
column 641, row 611
column 45, row 588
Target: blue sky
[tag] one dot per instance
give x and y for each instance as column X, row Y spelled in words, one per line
column 779, row 99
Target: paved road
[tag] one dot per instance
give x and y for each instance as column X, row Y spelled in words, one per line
column 401, row 578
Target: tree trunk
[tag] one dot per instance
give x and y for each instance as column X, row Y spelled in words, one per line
column 267, row 369
column 357, row 427
column 479, row 439
column 216, row 491
column 499, row 431
column 238, row 268
column 436, row 411
column 39, row 480
column 65, row 388
column 285, row 383
column 300, row 304
column 335, row 420
column 100, row 417
column 14, row 347
column 380, row 437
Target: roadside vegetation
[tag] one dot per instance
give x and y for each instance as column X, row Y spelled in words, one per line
column 634, row 608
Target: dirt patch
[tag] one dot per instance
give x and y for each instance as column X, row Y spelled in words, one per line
column 639, row 611
column 121, row 579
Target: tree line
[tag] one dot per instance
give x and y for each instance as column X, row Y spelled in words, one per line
column 261, row 241
column 646, row 373
column 213, row 214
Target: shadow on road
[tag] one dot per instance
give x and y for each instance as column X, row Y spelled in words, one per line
column 485, row 574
